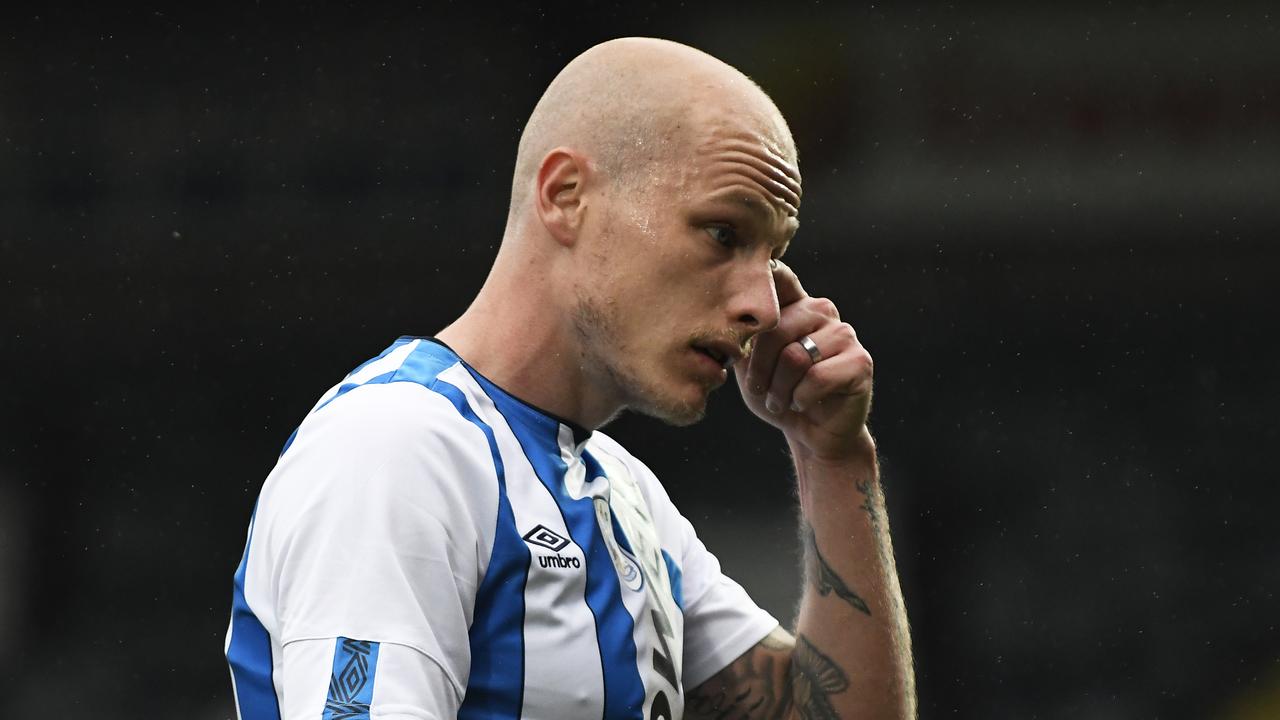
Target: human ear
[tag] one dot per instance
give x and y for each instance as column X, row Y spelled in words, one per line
column 558, row 197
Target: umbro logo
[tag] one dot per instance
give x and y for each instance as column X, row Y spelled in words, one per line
column 543, row 537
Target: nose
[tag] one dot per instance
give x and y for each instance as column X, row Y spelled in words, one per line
column 754, row 302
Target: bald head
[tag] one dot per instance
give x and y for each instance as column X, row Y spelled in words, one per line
column 631, row 103
column 653, row 186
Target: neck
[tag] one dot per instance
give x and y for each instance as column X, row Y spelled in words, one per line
column 519, row 333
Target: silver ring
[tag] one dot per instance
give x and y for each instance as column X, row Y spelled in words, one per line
column 811, row 347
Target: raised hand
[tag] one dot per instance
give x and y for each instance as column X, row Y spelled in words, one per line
column 819, row 397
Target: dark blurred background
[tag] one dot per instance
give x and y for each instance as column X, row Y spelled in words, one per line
column 1054, row 228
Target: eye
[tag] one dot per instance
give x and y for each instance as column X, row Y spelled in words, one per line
column 726, row 235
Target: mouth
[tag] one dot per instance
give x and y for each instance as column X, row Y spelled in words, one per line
column 724, row 354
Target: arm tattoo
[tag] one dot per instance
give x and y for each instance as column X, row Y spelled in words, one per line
column 826, row 579
column 864, row 487
column 814, row 677
column 753, row 686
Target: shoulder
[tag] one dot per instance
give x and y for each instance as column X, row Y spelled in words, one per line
column 399, row 445
column 393, row 401
column 393, row 418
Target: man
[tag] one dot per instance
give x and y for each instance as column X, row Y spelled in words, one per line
column 448, row 535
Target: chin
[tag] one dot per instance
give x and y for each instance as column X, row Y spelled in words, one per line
column 682, row 416
column 673, row 410
column 672, row 399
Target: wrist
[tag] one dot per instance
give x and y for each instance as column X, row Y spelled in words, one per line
column 857, row 451
column 830, row 486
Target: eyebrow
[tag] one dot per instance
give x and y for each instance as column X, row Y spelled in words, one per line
column 753, row 204
column 757, row 208
column 762, row 212
column 760, row 208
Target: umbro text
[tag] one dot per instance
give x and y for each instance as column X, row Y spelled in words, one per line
column 559, row 562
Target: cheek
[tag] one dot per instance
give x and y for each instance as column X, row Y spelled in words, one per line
column 644, row 225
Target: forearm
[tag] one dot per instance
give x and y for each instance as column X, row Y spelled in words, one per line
column 811, row 378
column 853, row 648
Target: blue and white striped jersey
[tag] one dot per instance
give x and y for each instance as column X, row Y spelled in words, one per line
column 429, row 546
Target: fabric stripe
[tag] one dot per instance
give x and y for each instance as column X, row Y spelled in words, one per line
column 621, row 536
column 496, row 685
column 381, row 367
column 355, row 666
column 249, row 651
column 626, row 688
column 559, row 628
column 624, row 691
column 387, row 362
column 677, row 579
column 349, row 386
column 659, row 624
column 292, row 436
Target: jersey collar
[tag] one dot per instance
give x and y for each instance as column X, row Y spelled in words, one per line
column 526, row 413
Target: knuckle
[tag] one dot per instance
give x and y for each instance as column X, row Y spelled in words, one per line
column 839, row 340
column 860, row 386
column 847, row 334
column 824, row 306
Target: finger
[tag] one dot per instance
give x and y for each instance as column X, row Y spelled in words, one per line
column 795, row 363
column 796, row 321
column 787, row 284
column 846, row 373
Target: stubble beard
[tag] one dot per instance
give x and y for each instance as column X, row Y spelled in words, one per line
column 603, row 349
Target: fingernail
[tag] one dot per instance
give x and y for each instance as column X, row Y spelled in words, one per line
column 773, row 405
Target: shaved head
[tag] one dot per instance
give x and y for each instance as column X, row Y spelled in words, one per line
column 631, row 103
column 654, row 185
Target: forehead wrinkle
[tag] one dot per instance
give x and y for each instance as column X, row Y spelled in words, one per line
column 767, row 175
column 726, row 139
column 736, row 174
column 777, row 178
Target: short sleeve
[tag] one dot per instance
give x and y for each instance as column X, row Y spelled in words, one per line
column 721, row 621
column 406, row 685
column 376, row 527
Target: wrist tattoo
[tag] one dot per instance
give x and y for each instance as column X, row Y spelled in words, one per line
column 864, row 488
column 825, row 578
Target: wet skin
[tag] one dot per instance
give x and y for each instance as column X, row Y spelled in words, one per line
column 691, row 259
